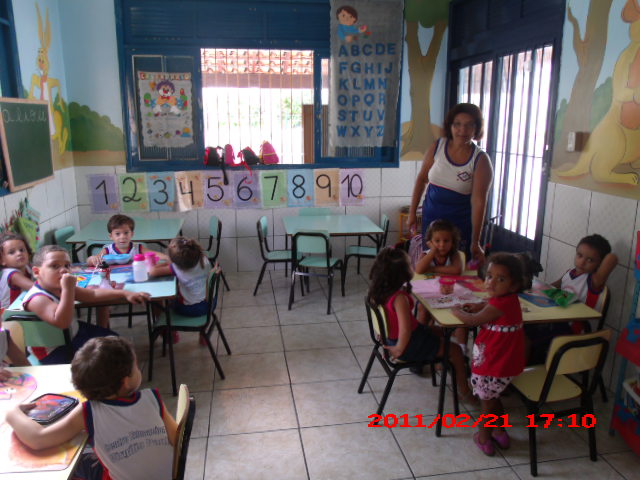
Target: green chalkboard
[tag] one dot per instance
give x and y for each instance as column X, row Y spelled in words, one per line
column 26, row 142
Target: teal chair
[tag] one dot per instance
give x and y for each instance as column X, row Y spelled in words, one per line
column 310, row 211
column 215, row 231
column 37, row 333
column 268, row 255
column 360, row 251
column 312, row 250
column 205, row 324
column 60, row 237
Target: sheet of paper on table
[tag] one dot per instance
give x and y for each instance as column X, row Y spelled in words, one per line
column 430, row 290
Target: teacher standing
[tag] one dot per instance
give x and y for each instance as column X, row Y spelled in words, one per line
column 457, row 174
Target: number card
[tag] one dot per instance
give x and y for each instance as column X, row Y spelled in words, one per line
column 162, row 192
column 273, row 185
column 247, row 190
column 326, row 186
column 189, row 190
column 300, row 188
column 133, row 192
column 104, row 193
column 216, row 193
column 351, row 187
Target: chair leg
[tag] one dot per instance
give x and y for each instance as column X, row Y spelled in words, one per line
column 293, row 284
column 330, row 280
column 358, row 266
column 454, row 385
column 89, row 312
column 215, row 358
column 343, row 277
column 603, row 390
column 130, row 324
column 152, row 342
column 387, row 390
column 434, row 382
column 224, row 280
column 216, row 322
column 533, row 454
column 367, row 369
column 255, row 290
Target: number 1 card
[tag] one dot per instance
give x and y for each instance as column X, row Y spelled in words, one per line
column 104, row 193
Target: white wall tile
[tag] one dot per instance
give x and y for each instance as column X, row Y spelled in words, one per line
column 55, row 194
column 391, row 207
column 372, row 181
column 570, row 214
column 73, row 218
column 226, row 216
column 38, row 199
column 614, row 218
column 371, row 209
column 190, row 225
column 278, row 214
column 559, row 259
column 628, row 298
column 69, row 190
column 86, row 216
column 246, row 222
column 249, row 259
column 617, row 283
column 398, row 182
column 548, row 207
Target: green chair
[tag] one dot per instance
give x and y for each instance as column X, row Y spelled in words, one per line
column 312, row 250
column 311, row 211
column 215, row 231
column 268, row 255
column 360, row 251
column 582, row 355
column 205, row 324
column 60, row 237
column 37, row 333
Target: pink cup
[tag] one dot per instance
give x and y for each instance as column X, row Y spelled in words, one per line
column 150, row 259
column 446, row 285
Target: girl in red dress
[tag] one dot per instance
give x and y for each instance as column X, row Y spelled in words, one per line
column 498, row 352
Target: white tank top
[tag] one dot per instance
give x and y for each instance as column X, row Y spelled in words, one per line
column 444, row 173
column 38, row 290
column 193, row 283
column 5, row 287
column 134, row 249
column 129, row 436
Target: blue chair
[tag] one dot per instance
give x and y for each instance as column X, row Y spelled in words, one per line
column 360, row 251
column 312, row 250
column 268, row 255
column 37, row 333
column 215, row 231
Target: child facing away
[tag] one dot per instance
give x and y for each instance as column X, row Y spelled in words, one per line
column 53, row 295
column 16, row 276
column 498, row 352
column 121, row 228
column 130, row 430
column 191, row 268
column 441, row 256
column 593, row 263
column 407, row 339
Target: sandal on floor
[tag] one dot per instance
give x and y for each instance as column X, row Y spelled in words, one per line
column 487, row 448
column 502, row 439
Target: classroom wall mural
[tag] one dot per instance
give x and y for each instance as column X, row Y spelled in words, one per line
column 419, row 132
column 604, row 101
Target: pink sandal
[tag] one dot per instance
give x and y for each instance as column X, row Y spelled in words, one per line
column 502, row 439
column 487, row 448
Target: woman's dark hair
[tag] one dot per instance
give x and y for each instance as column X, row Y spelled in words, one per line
column 469, row 109
column 598, row 243
column 512, row 263
column 7, row 236
column 350, row 10
column 390, row 271
column 185, row 252
column 99, row 367
column 443, row 225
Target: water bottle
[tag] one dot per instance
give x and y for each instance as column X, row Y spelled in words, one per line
column 139, row 265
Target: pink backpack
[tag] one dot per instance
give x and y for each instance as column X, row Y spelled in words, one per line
column 415, row 249
column 229, row 155
column 268, row 154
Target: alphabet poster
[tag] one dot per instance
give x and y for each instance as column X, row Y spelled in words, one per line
column 165, row 109
column 366, row 54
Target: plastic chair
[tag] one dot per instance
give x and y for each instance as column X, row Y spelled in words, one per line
column 543, row 384
column 602, row 306
column 268, row 255
column 204, row 325
column 37, row 333
column 359, row 251
column 215, row 231
column 312, row 249
column 185, row 414
column 310, row 211
column 60, row 237
column 377, row 320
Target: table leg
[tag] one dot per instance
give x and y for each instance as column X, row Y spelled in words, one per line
column 170, row 341
column 443, row 378
column 75, row 248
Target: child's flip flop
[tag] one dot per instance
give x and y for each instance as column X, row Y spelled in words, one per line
column 487, row 448
column 502, row 439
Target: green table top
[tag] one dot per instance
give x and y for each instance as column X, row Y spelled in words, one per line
column 146, row 230
column 334, row 224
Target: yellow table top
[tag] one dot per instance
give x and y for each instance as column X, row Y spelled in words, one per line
column 530, row 313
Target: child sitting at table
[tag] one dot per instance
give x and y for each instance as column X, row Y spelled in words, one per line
column 498, row 352
column 120, row 228
column 593, row 263
column 407, row 339
column 53, row 295
column 130, row 430
column 191, row 268
column 16, row 276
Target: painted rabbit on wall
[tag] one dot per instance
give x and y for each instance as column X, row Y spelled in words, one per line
column 46, row 85
column 615, row 140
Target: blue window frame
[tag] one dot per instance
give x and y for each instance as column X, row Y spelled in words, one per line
column 10, row 83
column 148, row 41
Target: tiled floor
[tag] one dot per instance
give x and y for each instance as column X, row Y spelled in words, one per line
column 288, row 408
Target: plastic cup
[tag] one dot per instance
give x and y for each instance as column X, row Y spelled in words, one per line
column 446, row 285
